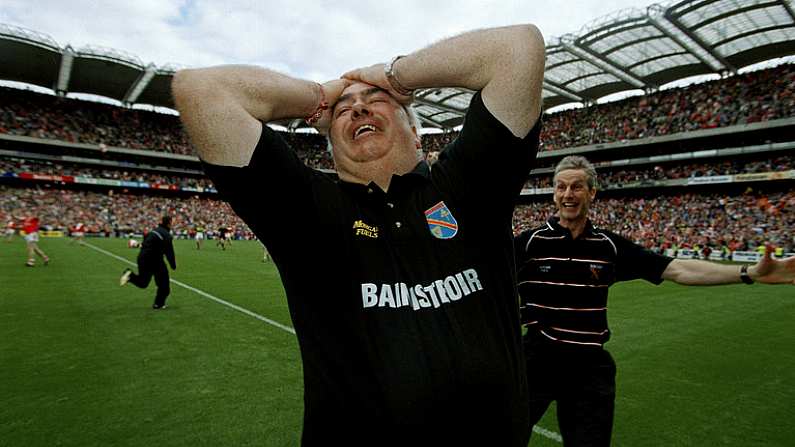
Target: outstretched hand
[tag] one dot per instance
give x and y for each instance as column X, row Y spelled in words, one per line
column 332, row 91
column 374, row 75
column 772, row 271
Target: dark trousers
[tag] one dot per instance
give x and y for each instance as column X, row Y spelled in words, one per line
column 582, row 380
column 148, row 269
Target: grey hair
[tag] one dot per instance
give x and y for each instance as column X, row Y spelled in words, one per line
column 578, row 162
column 414, row 121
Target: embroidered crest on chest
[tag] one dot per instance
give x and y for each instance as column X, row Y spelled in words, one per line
column 441, row 222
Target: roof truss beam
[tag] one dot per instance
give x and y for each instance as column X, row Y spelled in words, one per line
column 65, row 70
column 138, row 87
column 789, row 9
column 433, row 123
column 734, row 12
column 562, row 91
column 589, row 55
column 425, row 102
column 715, row 64
column 751, row 33
column 697, row 40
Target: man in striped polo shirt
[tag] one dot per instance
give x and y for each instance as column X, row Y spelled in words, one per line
column 565, row 268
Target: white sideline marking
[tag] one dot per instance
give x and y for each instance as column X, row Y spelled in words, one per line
column 547, row 433
column 203, row 293
column 536, row 429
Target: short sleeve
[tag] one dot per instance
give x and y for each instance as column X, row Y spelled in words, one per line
column 487, row 162
column 636, row 262
column 271, row 192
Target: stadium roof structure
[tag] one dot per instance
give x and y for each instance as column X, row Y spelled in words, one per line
column 630, row 49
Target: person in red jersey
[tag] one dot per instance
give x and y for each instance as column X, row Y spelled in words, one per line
column 11, row 229
column 31, row 229
column 78, row 233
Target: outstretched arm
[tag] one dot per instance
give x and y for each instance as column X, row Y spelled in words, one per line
column 506, row 63
column 222, row 108
column 772, row 271
column 702, row 273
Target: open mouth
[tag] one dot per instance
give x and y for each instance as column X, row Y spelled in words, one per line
column 364, row 129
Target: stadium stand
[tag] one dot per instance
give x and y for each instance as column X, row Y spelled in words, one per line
column 618, row 177
column 47, row 170
column 758, row 96
column 58, row 181
column 116, row 214
column 707, row 163
column 661, row 221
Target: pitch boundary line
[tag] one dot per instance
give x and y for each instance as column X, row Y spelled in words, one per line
column 536, row 429
column 203, row 293
column 547, row 433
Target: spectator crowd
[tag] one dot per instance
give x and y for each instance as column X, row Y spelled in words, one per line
column 17, row 166
column 607, row 176
column 116, row 214
column 661, row 221
column 751, row 97
column 745, row 98
column 621, row 176
column 740, row 222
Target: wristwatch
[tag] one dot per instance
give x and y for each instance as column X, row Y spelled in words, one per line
column 744, row 276
column 389, row 72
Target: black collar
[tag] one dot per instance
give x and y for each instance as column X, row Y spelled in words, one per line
column 554, row 223
column 421, row 172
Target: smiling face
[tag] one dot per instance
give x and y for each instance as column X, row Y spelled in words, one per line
column 368, row 125
column 573, row 196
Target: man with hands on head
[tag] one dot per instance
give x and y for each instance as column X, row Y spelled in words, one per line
column 565, row 268
column 399, row 279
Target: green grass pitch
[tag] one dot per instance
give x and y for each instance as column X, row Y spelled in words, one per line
column 84, row 362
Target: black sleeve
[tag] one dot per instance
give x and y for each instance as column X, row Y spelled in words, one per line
column 272, row 194
column 519, row 242
column 168, row 248
column 487, row 162
column 636, row 262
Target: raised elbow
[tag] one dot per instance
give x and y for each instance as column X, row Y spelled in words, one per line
column 532, row 34
column 180, row 85
column 186, row 84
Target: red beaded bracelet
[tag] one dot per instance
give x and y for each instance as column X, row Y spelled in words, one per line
column 322, row 106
